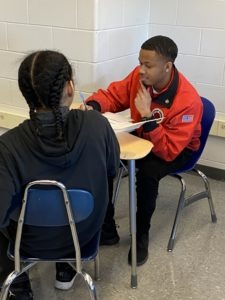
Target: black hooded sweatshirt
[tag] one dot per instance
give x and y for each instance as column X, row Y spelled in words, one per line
column 87, row 156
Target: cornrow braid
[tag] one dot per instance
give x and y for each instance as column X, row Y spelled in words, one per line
column 42, row 77
column 58, row 122
column 55, row 96
column 26, row 88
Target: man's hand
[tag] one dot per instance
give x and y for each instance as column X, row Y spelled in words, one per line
column 143, row 101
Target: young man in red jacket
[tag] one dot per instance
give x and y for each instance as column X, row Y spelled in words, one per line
column 154, row 89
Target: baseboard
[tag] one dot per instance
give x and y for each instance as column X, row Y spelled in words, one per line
column 211, row 172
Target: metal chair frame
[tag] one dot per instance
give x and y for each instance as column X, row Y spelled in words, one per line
column 207, row 120
column 22, row 264
column 183, row 202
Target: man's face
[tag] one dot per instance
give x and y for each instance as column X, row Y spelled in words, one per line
column 153, row 68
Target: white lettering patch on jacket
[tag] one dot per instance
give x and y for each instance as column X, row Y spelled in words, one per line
column 187, row 118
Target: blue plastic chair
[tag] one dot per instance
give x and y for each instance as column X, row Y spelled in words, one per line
column 67, row 207
column 206, row 122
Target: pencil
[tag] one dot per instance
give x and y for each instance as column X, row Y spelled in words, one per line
column 83, row 100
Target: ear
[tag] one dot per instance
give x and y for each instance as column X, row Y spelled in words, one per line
column 70, row 88
column 168, row 66
column 68, row 94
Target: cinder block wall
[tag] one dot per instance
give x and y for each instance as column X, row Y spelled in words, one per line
column 198, row 27
column 102, row 39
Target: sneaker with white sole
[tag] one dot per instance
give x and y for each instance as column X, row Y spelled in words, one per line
column 20, row 290
column 65, row 276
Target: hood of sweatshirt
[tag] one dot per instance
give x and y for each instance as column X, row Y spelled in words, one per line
column 32, row 151
column 40, row 136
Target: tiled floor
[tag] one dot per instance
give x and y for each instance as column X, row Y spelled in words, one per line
column 194, row 270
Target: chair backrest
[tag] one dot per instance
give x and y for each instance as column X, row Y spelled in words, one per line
column 49, row 203
column 208, row 117
column 46, row 204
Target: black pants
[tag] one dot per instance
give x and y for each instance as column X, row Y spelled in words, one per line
column 150, row 170
column 6, row 265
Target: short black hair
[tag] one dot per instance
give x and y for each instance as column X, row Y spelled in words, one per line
column 163, row 46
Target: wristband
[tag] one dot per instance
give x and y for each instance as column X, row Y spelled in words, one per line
column 146, row 118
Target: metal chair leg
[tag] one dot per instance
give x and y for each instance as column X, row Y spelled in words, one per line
column 90, row 284
column 180, row 206
column 7, row 283
column 117, row 188
column 183, row 202
column 209, row 195
column 97, row 268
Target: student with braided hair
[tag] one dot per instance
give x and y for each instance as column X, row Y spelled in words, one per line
column 62, row 144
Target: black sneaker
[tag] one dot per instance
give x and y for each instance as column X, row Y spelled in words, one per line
column 20, row 295
column 109, row 234
column 142, row 249
column 20, row 291
column 65, row 276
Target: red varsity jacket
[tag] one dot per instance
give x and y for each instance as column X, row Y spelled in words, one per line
column 179, row 106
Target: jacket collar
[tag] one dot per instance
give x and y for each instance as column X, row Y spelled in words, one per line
column 166, row 97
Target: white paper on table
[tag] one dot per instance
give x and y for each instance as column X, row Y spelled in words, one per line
column 121, row 122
